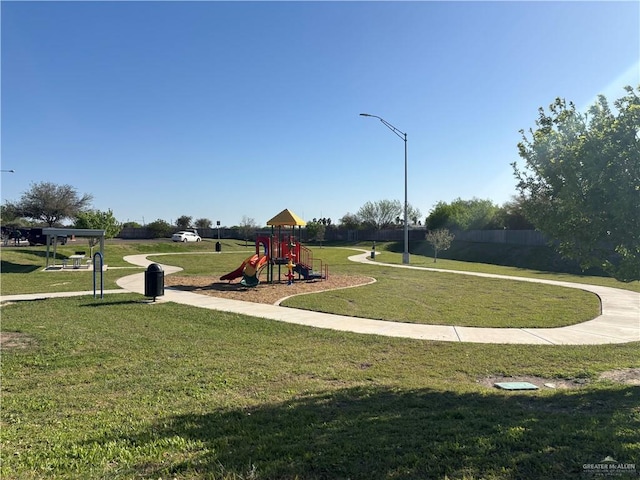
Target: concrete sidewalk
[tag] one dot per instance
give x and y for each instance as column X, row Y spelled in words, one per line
column 619, row 321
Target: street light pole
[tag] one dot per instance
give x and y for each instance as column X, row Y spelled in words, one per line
column 403, row 136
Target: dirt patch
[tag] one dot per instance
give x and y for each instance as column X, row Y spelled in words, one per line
column 15, row 340
column 269, row 293
column 627, row 376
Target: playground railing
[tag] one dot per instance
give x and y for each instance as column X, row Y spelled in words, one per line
column 306, row 258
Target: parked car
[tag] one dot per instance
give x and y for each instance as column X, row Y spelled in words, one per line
column 186, row 236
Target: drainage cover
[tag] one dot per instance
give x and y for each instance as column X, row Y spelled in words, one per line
column 516, row 386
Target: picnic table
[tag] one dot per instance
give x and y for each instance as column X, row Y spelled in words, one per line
column 76, row 260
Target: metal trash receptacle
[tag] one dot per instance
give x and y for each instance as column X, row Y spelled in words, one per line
column 154, row 281
column 218, row 247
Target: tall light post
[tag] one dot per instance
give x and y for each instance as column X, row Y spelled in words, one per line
column 403, row 136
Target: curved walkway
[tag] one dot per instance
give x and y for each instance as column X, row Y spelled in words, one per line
column 619, row 321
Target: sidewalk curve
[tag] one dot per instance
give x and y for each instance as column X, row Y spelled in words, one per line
column 619, row 321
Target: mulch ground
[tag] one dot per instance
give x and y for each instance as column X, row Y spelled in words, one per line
column 269, row 293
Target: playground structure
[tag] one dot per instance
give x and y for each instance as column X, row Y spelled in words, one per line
column 279, row 250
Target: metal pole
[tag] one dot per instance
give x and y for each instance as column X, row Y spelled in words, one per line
column 403, row 136
column 405, row 253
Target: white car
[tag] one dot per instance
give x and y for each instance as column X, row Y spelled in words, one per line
column 185, row 237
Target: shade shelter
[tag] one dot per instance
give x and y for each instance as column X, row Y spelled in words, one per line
column 76, row 232
column 286, row 218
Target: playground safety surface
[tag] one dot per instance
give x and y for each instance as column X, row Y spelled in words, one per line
column 269, row 293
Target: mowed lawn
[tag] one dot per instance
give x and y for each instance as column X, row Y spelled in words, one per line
column 453, row 299
column 120, row 388
column 422, row 297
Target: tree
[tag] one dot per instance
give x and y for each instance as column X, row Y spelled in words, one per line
column 580, row 184
column 50, row 203
column 95, row 219
column 474, row 214
column 441, row 216
column 203, row 223
column 9, row 217
column 316, row 230
column 413, row 214
column 183, row 222
column 159, row 229
column 350, row 221
column 478, row 214
column 440, row 240
column 131, row 225
column 380, row 214
column 248, row 226
column 511, row 216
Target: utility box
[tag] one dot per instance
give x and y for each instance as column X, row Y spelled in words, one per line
column 154, row 281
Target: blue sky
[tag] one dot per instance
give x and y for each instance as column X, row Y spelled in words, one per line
column 221, row 110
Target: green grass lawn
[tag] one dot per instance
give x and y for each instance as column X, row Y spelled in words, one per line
column 450, row 299
column 421, row 297
column 398, row 295
column 119, row 388
column 22, row 268
column 386, row 254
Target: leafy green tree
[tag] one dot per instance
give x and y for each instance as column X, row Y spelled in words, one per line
column 50, row 203
column 474, row 214
column 316, row 230
column 9, row 217
column 478, row 214
column 95, row 219
column 131, row 225
column 441, row 216
column 440, row 240
column 159, row 229
column 183, row 222
column 511, row 216
column 581, row 182
column 350, row 221
column 203, row 223
column 380, row 214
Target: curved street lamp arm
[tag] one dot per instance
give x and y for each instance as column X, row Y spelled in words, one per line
column 395, row 130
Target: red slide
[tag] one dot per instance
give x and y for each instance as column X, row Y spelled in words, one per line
column 237, row 273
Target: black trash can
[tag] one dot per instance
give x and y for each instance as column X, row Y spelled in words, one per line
column 154, row 281
column 218, row 247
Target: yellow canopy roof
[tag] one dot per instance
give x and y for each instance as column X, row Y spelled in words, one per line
column 286, row 218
